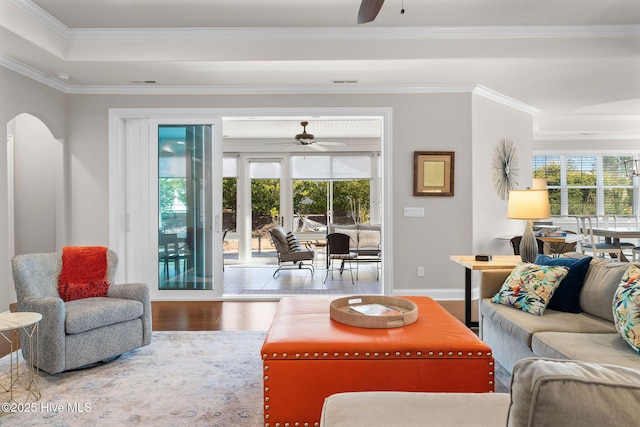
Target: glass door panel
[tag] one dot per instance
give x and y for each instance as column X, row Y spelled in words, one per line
column 310, row 206
column 185, row 206
column 265, row 206
column 230, row 243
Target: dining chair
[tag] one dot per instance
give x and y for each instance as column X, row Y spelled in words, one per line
column 515, row 244
column 628, row 246
column 585, row 228
column 169, row 250
column 338, row 250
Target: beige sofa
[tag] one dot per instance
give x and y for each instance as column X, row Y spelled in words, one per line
column 589, row 336
column 544, row 392
column 365, row 238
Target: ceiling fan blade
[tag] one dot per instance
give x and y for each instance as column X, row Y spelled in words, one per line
column 330, row 143
column 317, row 147
column 369, row 10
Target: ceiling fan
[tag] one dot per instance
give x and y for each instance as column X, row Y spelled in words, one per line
column 369, row 10
column 308, row 140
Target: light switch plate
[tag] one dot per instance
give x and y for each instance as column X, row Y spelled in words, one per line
column 414, row 212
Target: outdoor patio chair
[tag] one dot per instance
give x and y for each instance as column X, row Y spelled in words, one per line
column 290, row 251
column 338, row 250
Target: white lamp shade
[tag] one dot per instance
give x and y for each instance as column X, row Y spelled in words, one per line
column 528, row 204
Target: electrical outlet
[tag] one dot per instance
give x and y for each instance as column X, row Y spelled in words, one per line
column 420, row 271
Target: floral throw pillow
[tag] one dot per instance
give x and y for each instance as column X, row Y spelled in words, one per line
column 626, row 307
column 530, row 287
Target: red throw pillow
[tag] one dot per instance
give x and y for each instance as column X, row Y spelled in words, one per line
column 84, row 272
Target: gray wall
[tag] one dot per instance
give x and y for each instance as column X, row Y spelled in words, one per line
column 465, row 123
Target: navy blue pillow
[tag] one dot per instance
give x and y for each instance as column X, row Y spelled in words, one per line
column 567, row 296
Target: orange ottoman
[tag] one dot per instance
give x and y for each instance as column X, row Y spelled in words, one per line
column 307, row 356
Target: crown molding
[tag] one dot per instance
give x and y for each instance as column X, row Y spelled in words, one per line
column 358, row 33
column 349, row 33
column 268, row 89
column 33, row 74
column 263, row 89
column 505, row 100
column 42, row 16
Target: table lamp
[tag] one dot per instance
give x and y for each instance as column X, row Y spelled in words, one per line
column 528, row 205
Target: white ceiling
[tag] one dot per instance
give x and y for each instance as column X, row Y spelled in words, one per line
column 576, row 61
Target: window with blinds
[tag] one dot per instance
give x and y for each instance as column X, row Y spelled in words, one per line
column 549, row 167
column 587, row 184
column 617, row 185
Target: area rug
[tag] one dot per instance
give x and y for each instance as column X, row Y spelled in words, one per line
column 181, row 379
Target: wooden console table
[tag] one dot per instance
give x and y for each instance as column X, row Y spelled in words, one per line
column 498, row 262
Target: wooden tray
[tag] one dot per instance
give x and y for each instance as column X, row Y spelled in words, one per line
column 343, row 310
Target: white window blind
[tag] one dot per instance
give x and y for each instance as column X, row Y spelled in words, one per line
column 587, row 184
column 311, row 167
column 264, row 170
column 330, row 167
column 230, row 167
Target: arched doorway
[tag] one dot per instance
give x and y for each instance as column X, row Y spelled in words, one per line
column 36, row 190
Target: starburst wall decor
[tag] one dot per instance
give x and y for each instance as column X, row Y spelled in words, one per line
column 505, row 168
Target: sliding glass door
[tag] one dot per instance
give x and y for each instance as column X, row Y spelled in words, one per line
column 185, row 207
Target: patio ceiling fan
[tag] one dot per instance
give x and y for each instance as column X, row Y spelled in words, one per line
column 309, row 140
column 369, row 10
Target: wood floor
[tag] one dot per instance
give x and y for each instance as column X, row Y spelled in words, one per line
column 232, row 316
column 223, row 316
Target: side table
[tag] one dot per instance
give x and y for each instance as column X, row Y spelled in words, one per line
column 470, row 263
column 27, row 382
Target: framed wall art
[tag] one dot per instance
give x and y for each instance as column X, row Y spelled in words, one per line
column 433, row 173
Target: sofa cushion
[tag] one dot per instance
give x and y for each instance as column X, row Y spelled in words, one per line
column 568, row 393
column 368, row 239
column 530, row 287
column 91, row 313
column 567, row 296
column 414, row 409
column 367, row 226
column 597, row 348
column 600, row 283
column 521, row 325
column 626, row 307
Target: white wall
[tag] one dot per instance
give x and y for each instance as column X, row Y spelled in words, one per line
column 493, row 122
